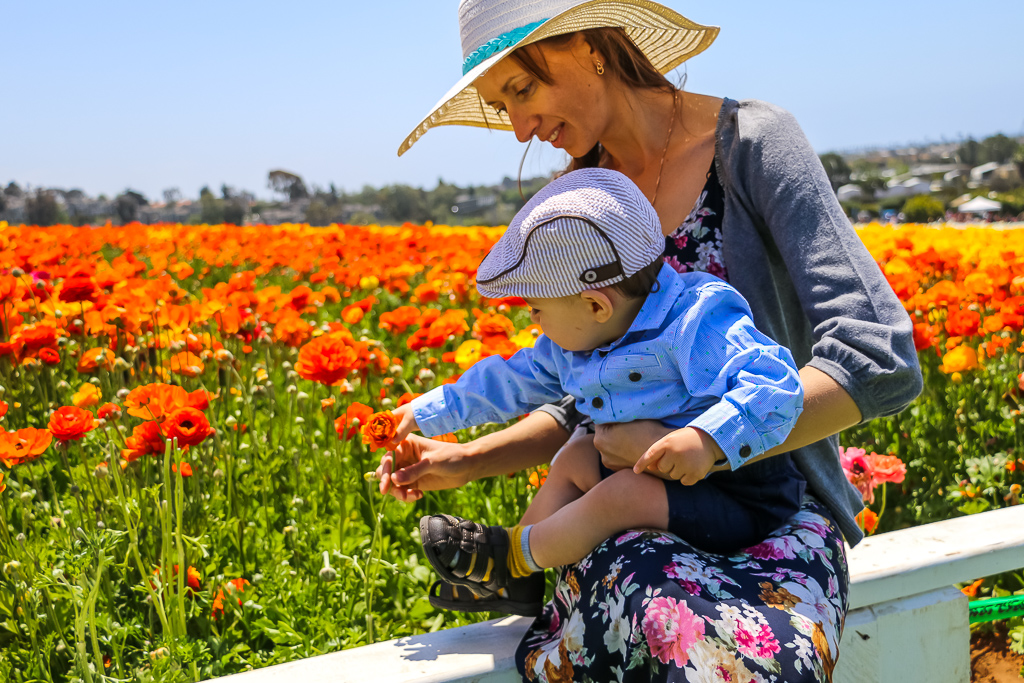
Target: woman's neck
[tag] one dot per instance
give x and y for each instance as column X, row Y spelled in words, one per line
column 637, row 135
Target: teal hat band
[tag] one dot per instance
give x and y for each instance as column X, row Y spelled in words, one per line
column 497, row 44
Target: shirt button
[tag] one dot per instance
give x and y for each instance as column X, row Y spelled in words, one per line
column 635, row 377
column 598, row 403
column 745, row 451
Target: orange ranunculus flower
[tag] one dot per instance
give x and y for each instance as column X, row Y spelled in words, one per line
column 493, row 324
column 49, row 356
column 23, row 445
column 326, row 403
column 146, row 439
column 187, row 364
column 199, row 399
column 86, row 396
column 329, row 358
column 379, row 429
column 352, row 314
column 292, row 330
column 407, row 397
column 69, row 423
column 186, row 469
column 109, row 411
column 188, row 425
column 97, row 358
column 356, row 415
column 971, row 591
column 3, row 486
column 925, row 336
column 867, row 520
column 154, row 401
column 963, row 322
column 37, row 336
column 399, row 320
column 234, row 587
column 960, row 359
column 538, row 477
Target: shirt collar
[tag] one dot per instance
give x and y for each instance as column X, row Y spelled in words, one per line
column 657, row 306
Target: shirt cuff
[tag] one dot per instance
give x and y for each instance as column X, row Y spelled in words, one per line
column 432, row 415
column 732, row 431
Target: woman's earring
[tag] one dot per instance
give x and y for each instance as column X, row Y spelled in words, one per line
column 600, row 68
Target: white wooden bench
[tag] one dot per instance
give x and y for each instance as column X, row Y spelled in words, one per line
column 907, row 622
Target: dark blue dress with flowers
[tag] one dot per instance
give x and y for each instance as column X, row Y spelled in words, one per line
column 647, row 606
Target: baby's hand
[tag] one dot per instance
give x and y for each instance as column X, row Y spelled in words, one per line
column 686, row 454
column 406, row 425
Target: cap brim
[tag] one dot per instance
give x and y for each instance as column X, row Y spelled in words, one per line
column 666, row 37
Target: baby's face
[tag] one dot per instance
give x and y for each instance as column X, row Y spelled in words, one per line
column 569, row 322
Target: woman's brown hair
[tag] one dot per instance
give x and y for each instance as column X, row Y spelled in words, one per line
column 624, row 60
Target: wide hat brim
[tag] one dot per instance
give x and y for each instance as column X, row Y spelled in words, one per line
column 666, row 37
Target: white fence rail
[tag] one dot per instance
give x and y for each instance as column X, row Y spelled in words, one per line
column 907, row 623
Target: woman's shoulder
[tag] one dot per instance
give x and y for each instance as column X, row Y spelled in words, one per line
column 755, row 121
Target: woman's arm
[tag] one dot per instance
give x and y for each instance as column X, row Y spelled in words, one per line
column 438, row 465
column 828, row 410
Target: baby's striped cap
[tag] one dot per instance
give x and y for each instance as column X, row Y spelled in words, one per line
column 587, row 229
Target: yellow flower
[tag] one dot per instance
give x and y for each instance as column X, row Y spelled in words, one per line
column 526, row 337
column 468, row 353
column 956, row 378
column 368, row 282
column 87, row 395
column 959, row 359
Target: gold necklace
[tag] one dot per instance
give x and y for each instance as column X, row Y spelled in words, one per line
column 664, row 152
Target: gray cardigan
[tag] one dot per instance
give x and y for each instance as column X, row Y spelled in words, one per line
column 813, row 287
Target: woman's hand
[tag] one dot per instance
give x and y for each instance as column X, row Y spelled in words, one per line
column 428, row 466
column 622, row 444
column 406, row 425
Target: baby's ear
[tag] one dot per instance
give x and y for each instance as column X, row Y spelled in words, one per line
column 599, row 303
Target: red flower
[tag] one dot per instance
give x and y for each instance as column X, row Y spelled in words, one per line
column 49, row 356
column 146, row 439
column 186, row 469
column 188, row 425
column 69, row 423
column 109, row 411
column 199, row 399
column 78, row 289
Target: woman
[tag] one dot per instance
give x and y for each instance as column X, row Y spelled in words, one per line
column 741, row 194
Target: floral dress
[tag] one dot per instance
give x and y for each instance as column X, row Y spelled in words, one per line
column 647, row 606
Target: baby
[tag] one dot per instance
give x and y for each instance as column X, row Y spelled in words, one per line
column 629, row 339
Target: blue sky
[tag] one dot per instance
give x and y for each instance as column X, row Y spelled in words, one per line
column 107, row 95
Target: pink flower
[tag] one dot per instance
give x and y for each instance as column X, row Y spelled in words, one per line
column 867, row 471
column 759, row 642
column 671, row 629
column 779, row 548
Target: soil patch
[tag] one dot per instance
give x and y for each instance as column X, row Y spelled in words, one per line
column 991, row 658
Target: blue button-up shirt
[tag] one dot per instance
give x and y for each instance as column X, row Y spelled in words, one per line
column 692, row 357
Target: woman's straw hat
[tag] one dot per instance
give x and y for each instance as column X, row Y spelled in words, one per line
column 492, row 29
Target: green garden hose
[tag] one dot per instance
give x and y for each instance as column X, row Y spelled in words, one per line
column 992, row 609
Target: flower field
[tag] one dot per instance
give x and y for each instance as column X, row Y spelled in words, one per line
column 183, row 489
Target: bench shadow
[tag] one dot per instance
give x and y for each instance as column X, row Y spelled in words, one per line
column 498, row 639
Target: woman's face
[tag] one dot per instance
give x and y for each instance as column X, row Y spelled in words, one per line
column 568, row 113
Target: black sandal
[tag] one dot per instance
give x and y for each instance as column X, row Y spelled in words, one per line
column 525, row 597
column 482, row 564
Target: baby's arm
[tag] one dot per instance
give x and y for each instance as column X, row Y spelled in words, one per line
column 492, row 390
column 721, row 354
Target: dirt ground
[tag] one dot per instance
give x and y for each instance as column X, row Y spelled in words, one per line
column 992, row 661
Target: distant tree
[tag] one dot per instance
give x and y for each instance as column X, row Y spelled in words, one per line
column 318, row 213
column 226, row 191
column 212, row 209
column 998, row 148
column 234, row 212
column 127, row 204
column 172, row 196
column 12, row 190
column 923, row 209
column 402, row 203
column 3, row 202
column 970, row 153
column 1018, row 158
column 288, row 184
column 836, row 168
column 42, row 209
column 204, row 190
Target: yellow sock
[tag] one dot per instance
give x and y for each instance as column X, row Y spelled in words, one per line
column 517, row 565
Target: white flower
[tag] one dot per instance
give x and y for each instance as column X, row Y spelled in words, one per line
column 617, row 635
column 715, row 665
column 572, row 636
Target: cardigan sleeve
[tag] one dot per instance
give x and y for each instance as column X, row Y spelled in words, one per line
column 863, row 337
